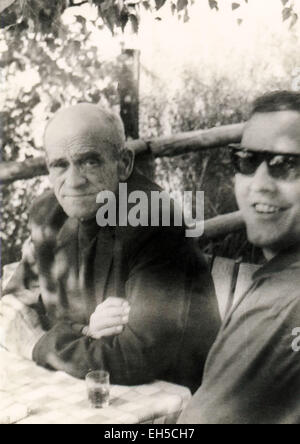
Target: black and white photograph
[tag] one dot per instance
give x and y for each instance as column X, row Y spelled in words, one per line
column 150, row 214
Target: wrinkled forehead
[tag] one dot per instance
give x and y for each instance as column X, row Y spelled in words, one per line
column 75, row 130
column 273, row 131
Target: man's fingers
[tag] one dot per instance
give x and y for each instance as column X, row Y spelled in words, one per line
column 111, row 312
column 100, row 324
column 113, row 331
column 113, row 302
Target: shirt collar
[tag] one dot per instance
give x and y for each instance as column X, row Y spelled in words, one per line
column 286, row 259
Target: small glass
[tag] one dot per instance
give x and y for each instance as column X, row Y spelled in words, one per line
column 98, row 387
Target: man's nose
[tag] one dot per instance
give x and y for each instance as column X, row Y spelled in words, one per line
column 74, row 177
column 262, row 181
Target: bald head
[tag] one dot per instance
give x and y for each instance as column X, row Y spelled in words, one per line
column 89, row 121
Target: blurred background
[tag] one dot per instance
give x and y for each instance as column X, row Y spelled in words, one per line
column 197, row 70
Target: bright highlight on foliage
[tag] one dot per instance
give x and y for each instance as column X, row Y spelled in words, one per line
column 44, row 15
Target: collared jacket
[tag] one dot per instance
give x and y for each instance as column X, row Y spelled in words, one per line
column 252, row 375
column 174, row 317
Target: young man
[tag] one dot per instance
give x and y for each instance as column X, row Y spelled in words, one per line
column 252, row 375
column 90, row 277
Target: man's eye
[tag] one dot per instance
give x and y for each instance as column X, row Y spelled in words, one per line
column 244, row 155
column 91, row 162
column 59, row 165
column 280, row 160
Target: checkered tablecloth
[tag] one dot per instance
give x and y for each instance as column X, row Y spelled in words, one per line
column 32, row 395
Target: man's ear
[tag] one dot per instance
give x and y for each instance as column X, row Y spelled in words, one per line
column 125, row 164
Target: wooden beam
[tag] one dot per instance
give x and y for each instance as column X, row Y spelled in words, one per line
column 13, row 171
column 163, row 146
column 197, row 140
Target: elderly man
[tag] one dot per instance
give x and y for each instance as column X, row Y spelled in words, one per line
column 252, row 375
column 136, row 301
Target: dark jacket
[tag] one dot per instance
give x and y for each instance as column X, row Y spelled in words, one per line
column 174, row 317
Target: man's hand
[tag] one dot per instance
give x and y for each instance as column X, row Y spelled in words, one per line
column 20, row 327
column 109, row 318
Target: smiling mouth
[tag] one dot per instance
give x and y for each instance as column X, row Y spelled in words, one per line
column 266, row 209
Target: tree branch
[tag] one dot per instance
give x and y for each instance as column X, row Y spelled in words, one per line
column 73, row 3
column 164, row 146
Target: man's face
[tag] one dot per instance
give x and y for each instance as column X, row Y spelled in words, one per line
column 271, row 207
column 81, row 164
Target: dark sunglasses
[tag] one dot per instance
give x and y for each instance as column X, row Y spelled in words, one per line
column 280, row 166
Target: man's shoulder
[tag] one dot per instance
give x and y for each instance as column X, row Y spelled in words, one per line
column 160, row 240
column 153, row 207
column 139, row 182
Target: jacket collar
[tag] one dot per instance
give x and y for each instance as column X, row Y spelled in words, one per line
column 287, row 259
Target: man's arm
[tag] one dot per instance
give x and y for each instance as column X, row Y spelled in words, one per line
column 23, row 320
column 252, row 374
column 20, row 324
column 148, row 347
column 24, row 284
column 20, row 327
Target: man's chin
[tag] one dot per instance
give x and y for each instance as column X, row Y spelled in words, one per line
column 80, row 214
column 265, row 241
column 261, row 239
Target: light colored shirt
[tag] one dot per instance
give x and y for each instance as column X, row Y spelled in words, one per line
column 252, row 375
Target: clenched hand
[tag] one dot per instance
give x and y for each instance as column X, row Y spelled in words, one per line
column 109, row 318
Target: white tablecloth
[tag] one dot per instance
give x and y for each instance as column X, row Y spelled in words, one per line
column 32, row 395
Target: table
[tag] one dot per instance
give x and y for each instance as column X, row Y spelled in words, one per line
column 57, row 398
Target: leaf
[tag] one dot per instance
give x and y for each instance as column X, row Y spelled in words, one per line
column 134, row 23
column 240, row 21
column 286, row 13
column 235, row 6
column 120, row 5
column 213, row 4
column 186, row 17
column 111, row 20
column 284, row 2
column 80, row 19
column 123, row 20
column 146, row 5
column 159, row 3
column 181, row 4
column 105, row 5
column 294, row 20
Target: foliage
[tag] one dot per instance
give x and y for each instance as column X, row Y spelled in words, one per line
column 42, row 71
column 207, row 97
column 44, row 15
column 40, row 74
